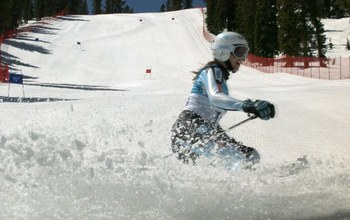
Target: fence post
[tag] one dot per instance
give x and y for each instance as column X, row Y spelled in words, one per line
column 311, row 72
column 340, row 68
column 329, row 69
column 319, row 69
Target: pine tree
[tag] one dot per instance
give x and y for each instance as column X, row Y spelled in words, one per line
column 317, row 34
column 173, row 5
column 188, row 4
column 117, row 6
column 74, row 6
column 245, row 14
column 301, row 32
column 176, row 5
column 290, row 33
column 337, row 8
column 62, row 5
column 334, row 8
column 211, row 16
column 326, row 12
column 39, row 9
column 97, row 6
column 109, row 6
column 311, row 29
column 265, row 37
column 84, row 10
column 346, row 6
column 5, row 14
column 220, row 15
column 15, row 19
column 162, row 8
column 127, row 9
column 167, row 5
column 27, row 10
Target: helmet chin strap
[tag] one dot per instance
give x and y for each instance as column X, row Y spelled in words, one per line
column 228, row 65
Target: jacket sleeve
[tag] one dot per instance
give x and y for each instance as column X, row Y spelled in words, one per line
column 216, row 97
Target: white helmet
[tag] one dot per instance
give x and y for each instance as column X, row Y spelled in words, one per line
column 227, row 43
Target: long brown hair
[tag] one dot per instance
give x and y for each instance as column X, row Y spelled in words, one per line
column 196, row 72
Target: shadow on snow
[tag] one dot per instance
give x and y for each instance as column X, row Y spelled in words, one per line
column 30, row 99
column 75, row 86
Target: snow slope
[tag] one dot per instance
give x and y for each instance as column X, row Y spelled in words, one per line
column 95, row 148
column 337, row 33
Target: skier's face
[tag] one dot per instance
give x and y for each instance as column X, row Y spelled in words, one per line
column 235, row 63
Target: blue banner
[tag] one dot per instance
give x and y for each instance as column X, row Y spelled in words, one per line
column 16, row 78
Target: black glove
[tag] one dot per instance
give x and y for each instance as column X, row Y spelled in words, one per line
column 263, row 109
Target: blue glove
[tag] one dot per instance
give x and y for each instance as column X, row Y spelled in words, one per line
column 263, row 109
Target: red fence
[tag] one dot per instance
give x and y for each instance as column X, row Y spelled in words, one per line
column 4, row 73
column 312, row 67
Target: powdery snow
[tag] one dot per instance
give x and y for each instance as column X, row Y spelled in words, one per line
column 99, row 154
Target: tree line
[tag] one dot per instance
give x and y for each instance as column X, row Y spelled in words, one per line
column 16, row 12
column 271, row 27
column 173, row 5
column 275, row 27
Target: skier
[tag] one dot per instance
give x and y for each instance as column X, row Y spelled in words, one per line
column 197, row 131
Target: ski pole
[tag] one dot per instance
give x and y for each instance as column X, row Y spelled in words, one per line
column 168, row 155
column 244, row 121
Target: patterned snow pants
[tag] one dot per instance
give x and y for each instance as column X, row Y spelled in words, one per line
column 193, row 136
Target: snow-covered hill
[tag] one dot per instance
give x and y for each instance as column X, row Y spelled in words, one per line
column 337, row 33
column 95, row 148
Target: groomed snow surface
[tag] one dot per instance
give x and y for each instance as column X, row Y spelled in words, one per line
column 89, row 140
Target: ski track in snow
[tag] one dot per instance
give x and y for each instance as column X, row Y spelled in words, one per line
column 100, row 154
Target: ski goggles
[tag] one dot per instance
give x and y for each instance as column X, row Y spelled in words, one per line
column 239, row 51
